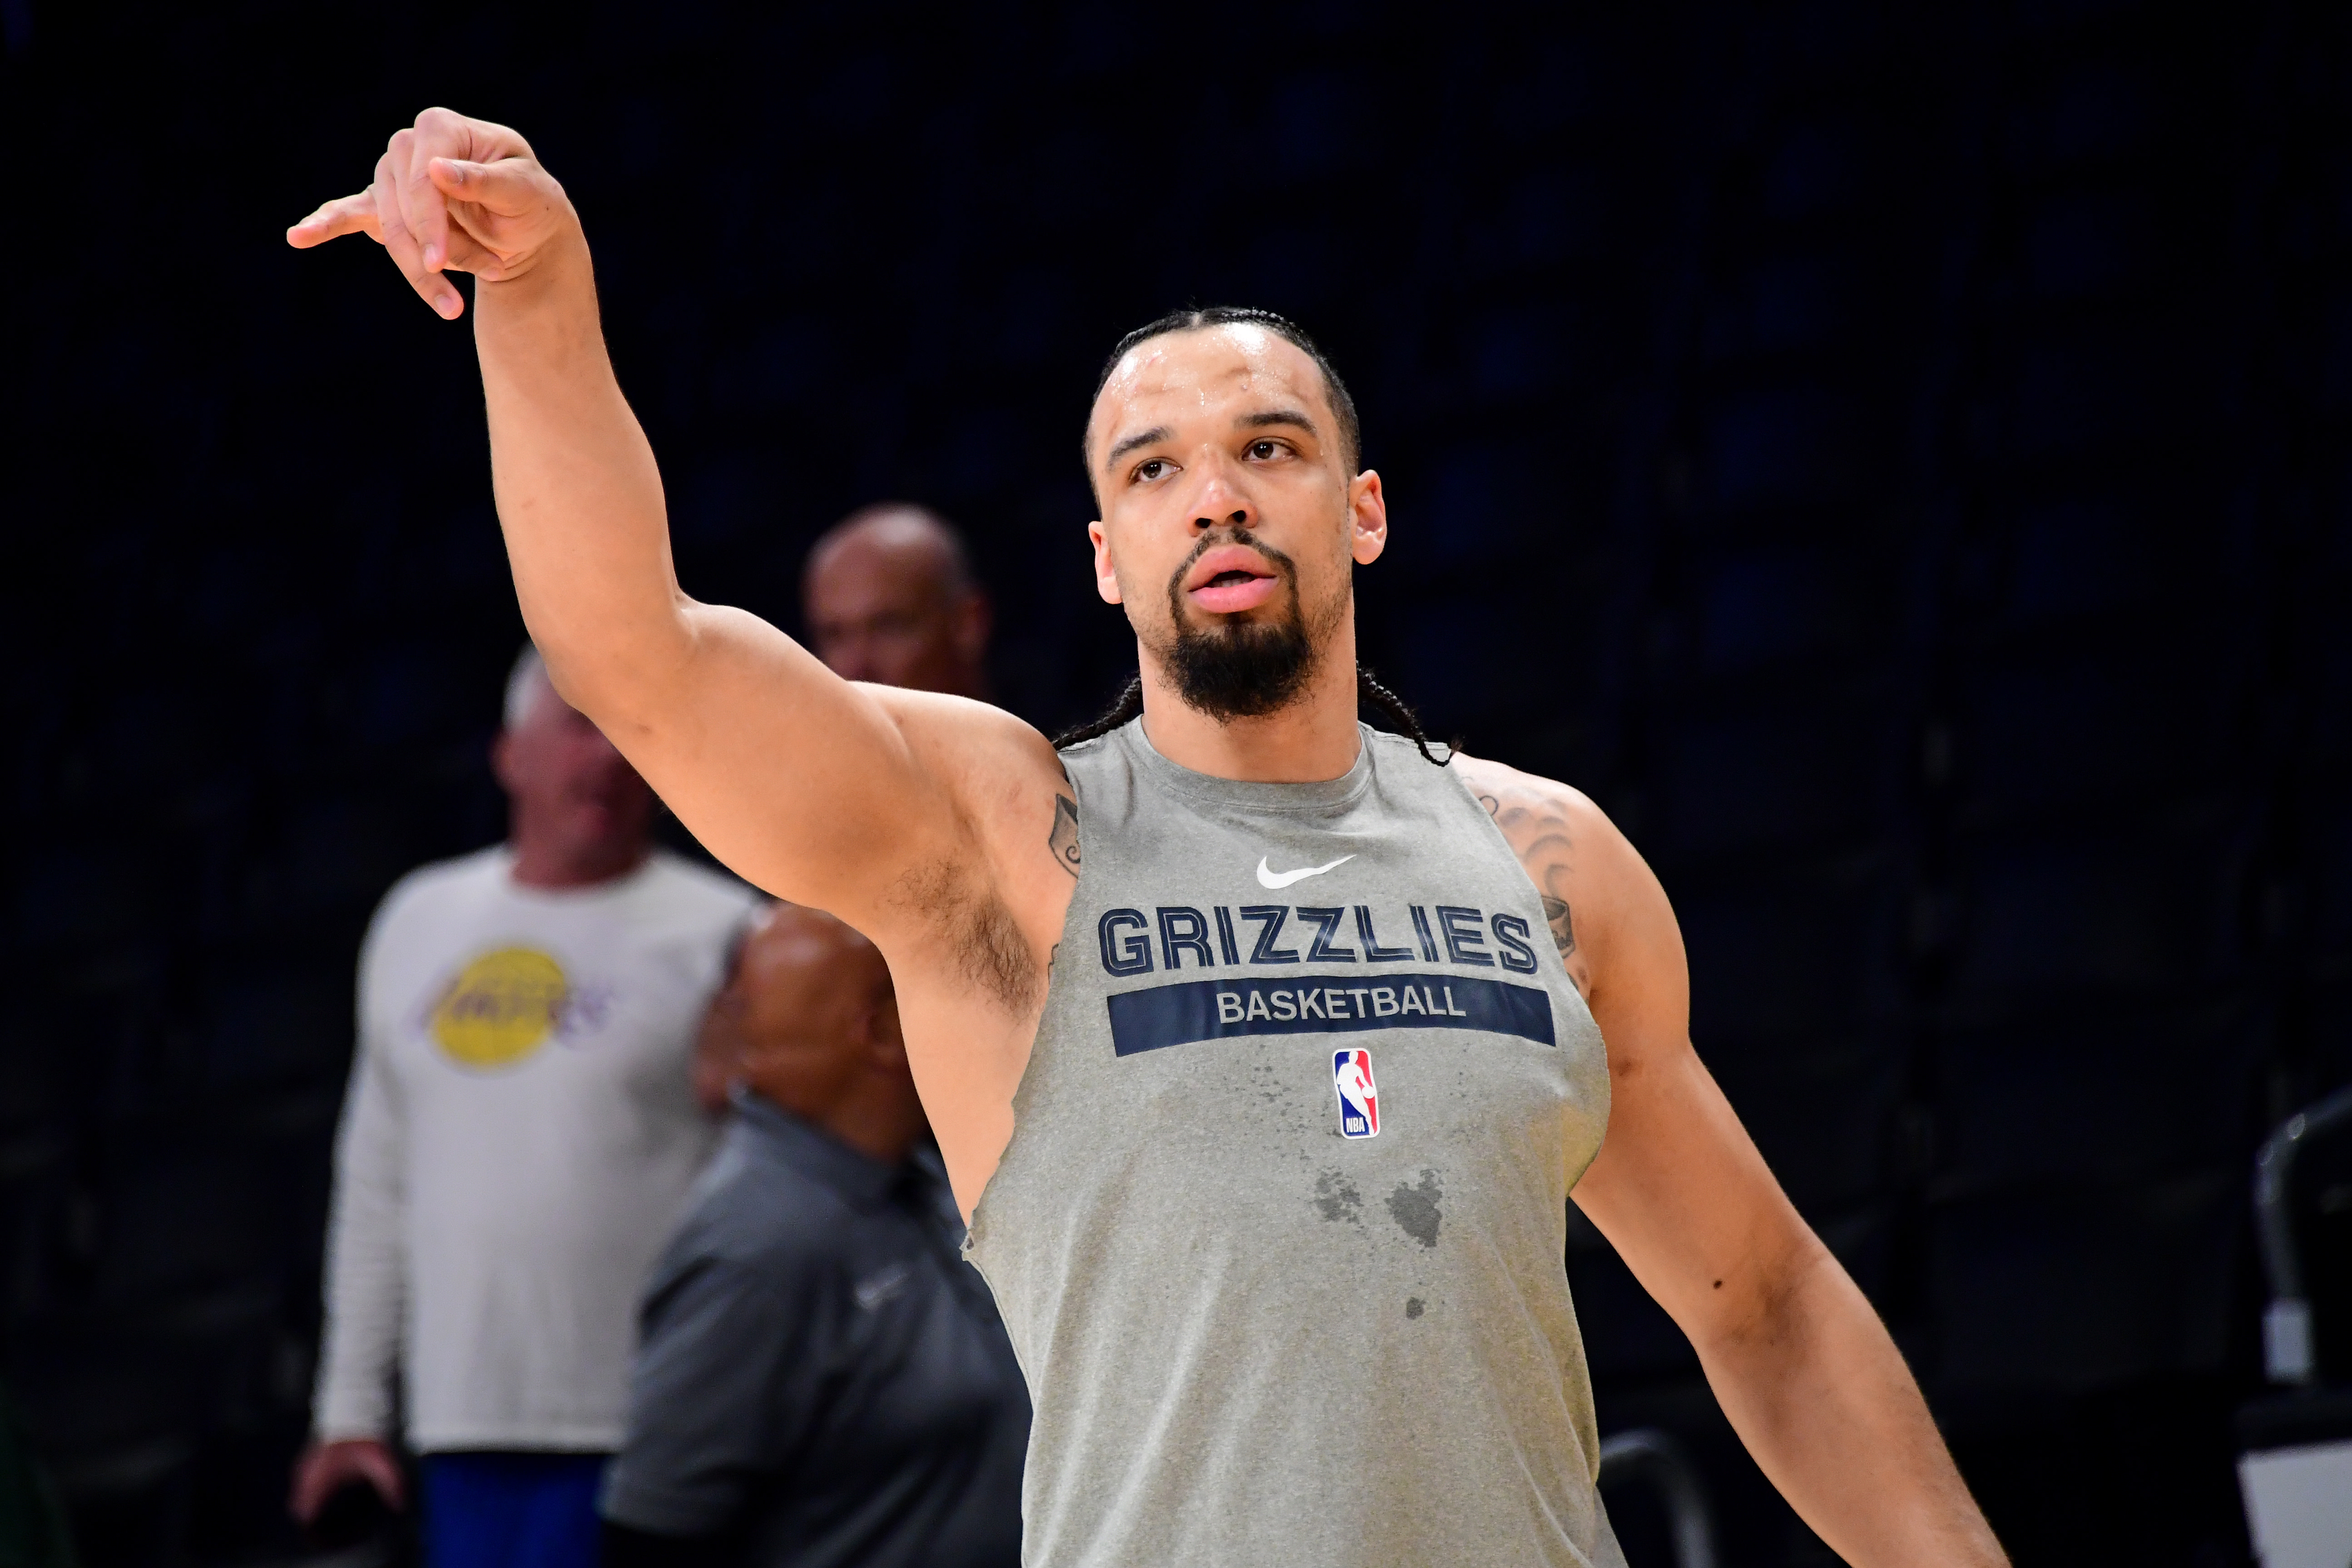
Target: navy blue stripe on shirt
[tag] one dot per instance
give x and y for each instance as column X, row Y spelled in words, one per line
column 1220, row 1009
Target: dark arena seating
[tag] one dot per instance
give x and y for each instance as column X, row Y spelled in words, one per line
column 1898, row 460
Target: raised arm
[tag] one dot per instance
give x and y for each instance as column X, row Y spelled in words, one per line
column 822, row 791
column 1798, row 1359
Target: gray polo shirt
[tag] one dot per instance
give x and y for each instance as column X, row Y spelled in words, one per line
column 820, row 1379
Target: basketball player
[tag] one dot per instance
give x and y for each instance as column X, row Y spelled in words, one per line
column 1258, row 1328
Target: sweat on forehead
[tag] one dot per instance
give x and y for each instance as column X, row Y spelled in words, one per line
column 1195, row 366
column 1235, row 351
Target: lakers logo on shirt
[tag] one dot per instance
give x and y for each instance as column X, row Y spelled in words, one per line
column 501, row 1007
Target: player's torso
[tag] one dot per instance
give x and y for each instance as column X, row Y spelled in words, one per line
column 1300, row 1120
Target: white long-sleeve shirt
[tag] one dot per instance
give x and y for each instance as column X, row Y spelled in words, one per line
column 518, row 1139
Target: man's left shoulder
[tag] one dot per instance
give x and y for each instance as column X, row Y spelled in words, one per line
column 1591, row 879
column 1524, row 804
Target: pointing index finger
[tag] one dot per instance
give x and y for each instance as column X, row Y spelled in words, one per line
column 332, row 220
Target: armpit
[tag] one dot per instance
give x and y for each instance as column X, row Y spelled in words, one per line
column 985, row 942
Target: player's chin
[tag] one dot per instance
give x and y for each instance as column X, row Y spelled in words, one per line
column 1272, row 613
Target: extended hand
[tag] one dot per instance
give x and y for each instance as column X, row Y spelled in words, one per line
column 451, row 195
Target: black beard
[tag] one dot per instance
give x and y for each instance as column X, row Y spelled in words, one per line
column 1244, row 670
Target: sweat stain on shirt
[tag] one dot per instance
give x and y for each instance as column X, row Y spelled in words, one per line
column 1414, row 1209
column 1337, row 1199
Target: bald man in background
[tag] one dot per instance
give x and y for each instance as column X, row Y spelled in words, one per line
column 820, row 1377
column 889, row 597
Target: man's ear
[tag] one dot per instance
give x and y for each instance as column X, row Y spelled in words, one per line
column 1106, row 574
column 1367, row 518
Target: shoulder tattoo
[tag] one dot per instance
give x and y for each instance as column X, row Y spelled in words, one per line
column 1539, row 834
column 1563, row 927
column 1063, row 840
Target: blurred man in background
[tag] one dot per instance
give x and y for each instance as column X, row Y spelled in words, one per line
column 519, row 1137
column 821, row 1378
column 890, row 597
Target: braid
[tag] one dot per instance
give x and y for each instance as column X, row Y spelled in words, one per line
column 1368, row 691
column 1129, row 704
column 1394, row 708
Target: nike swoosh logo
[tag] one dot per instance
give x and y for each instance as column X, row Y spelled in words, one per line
column 1267, row 878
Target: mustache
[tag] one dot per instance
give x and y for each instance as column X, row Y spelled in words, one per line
column 1284, row 566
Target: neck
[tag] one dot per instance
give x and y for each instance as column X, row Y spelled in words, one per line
column 875, row 1119
column 541, row 861
column 1312, row 739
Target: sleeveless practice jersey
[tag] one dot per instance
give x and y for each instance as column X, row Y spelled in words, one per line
column 1279, row 1235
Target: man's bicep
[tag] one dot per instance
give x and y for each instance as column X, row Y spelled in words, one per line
column 801, row 781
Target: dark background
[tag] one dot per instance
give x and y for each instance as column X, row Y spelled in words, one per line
column 1896, row 462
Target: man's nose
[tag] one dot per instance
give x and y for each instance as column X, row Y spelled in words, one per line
column 1221, row 504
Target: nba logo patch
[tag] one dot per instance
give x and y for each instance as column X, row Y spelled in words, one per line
column 1360, row 1100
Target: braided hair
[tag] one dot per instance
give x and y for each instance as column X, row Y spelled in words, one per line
column 1370, row 692
column 1123, row 710
column 1400, row 714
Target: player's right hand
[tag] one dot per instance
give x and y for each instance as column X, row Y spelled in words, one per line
column 451, row 195
column 326, row 1469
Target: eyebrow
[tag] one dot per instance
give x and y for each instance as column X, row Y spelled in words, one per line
column 1244, row 421
column 1277, row 416
column 1140, row 438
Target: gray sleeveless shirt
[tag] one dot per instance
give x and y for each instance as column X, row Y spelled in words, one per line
column 1279, row 1235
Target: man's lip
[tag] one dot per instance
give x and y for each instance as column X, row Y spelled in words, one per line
column 1226, row 558
column 1230, row 599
